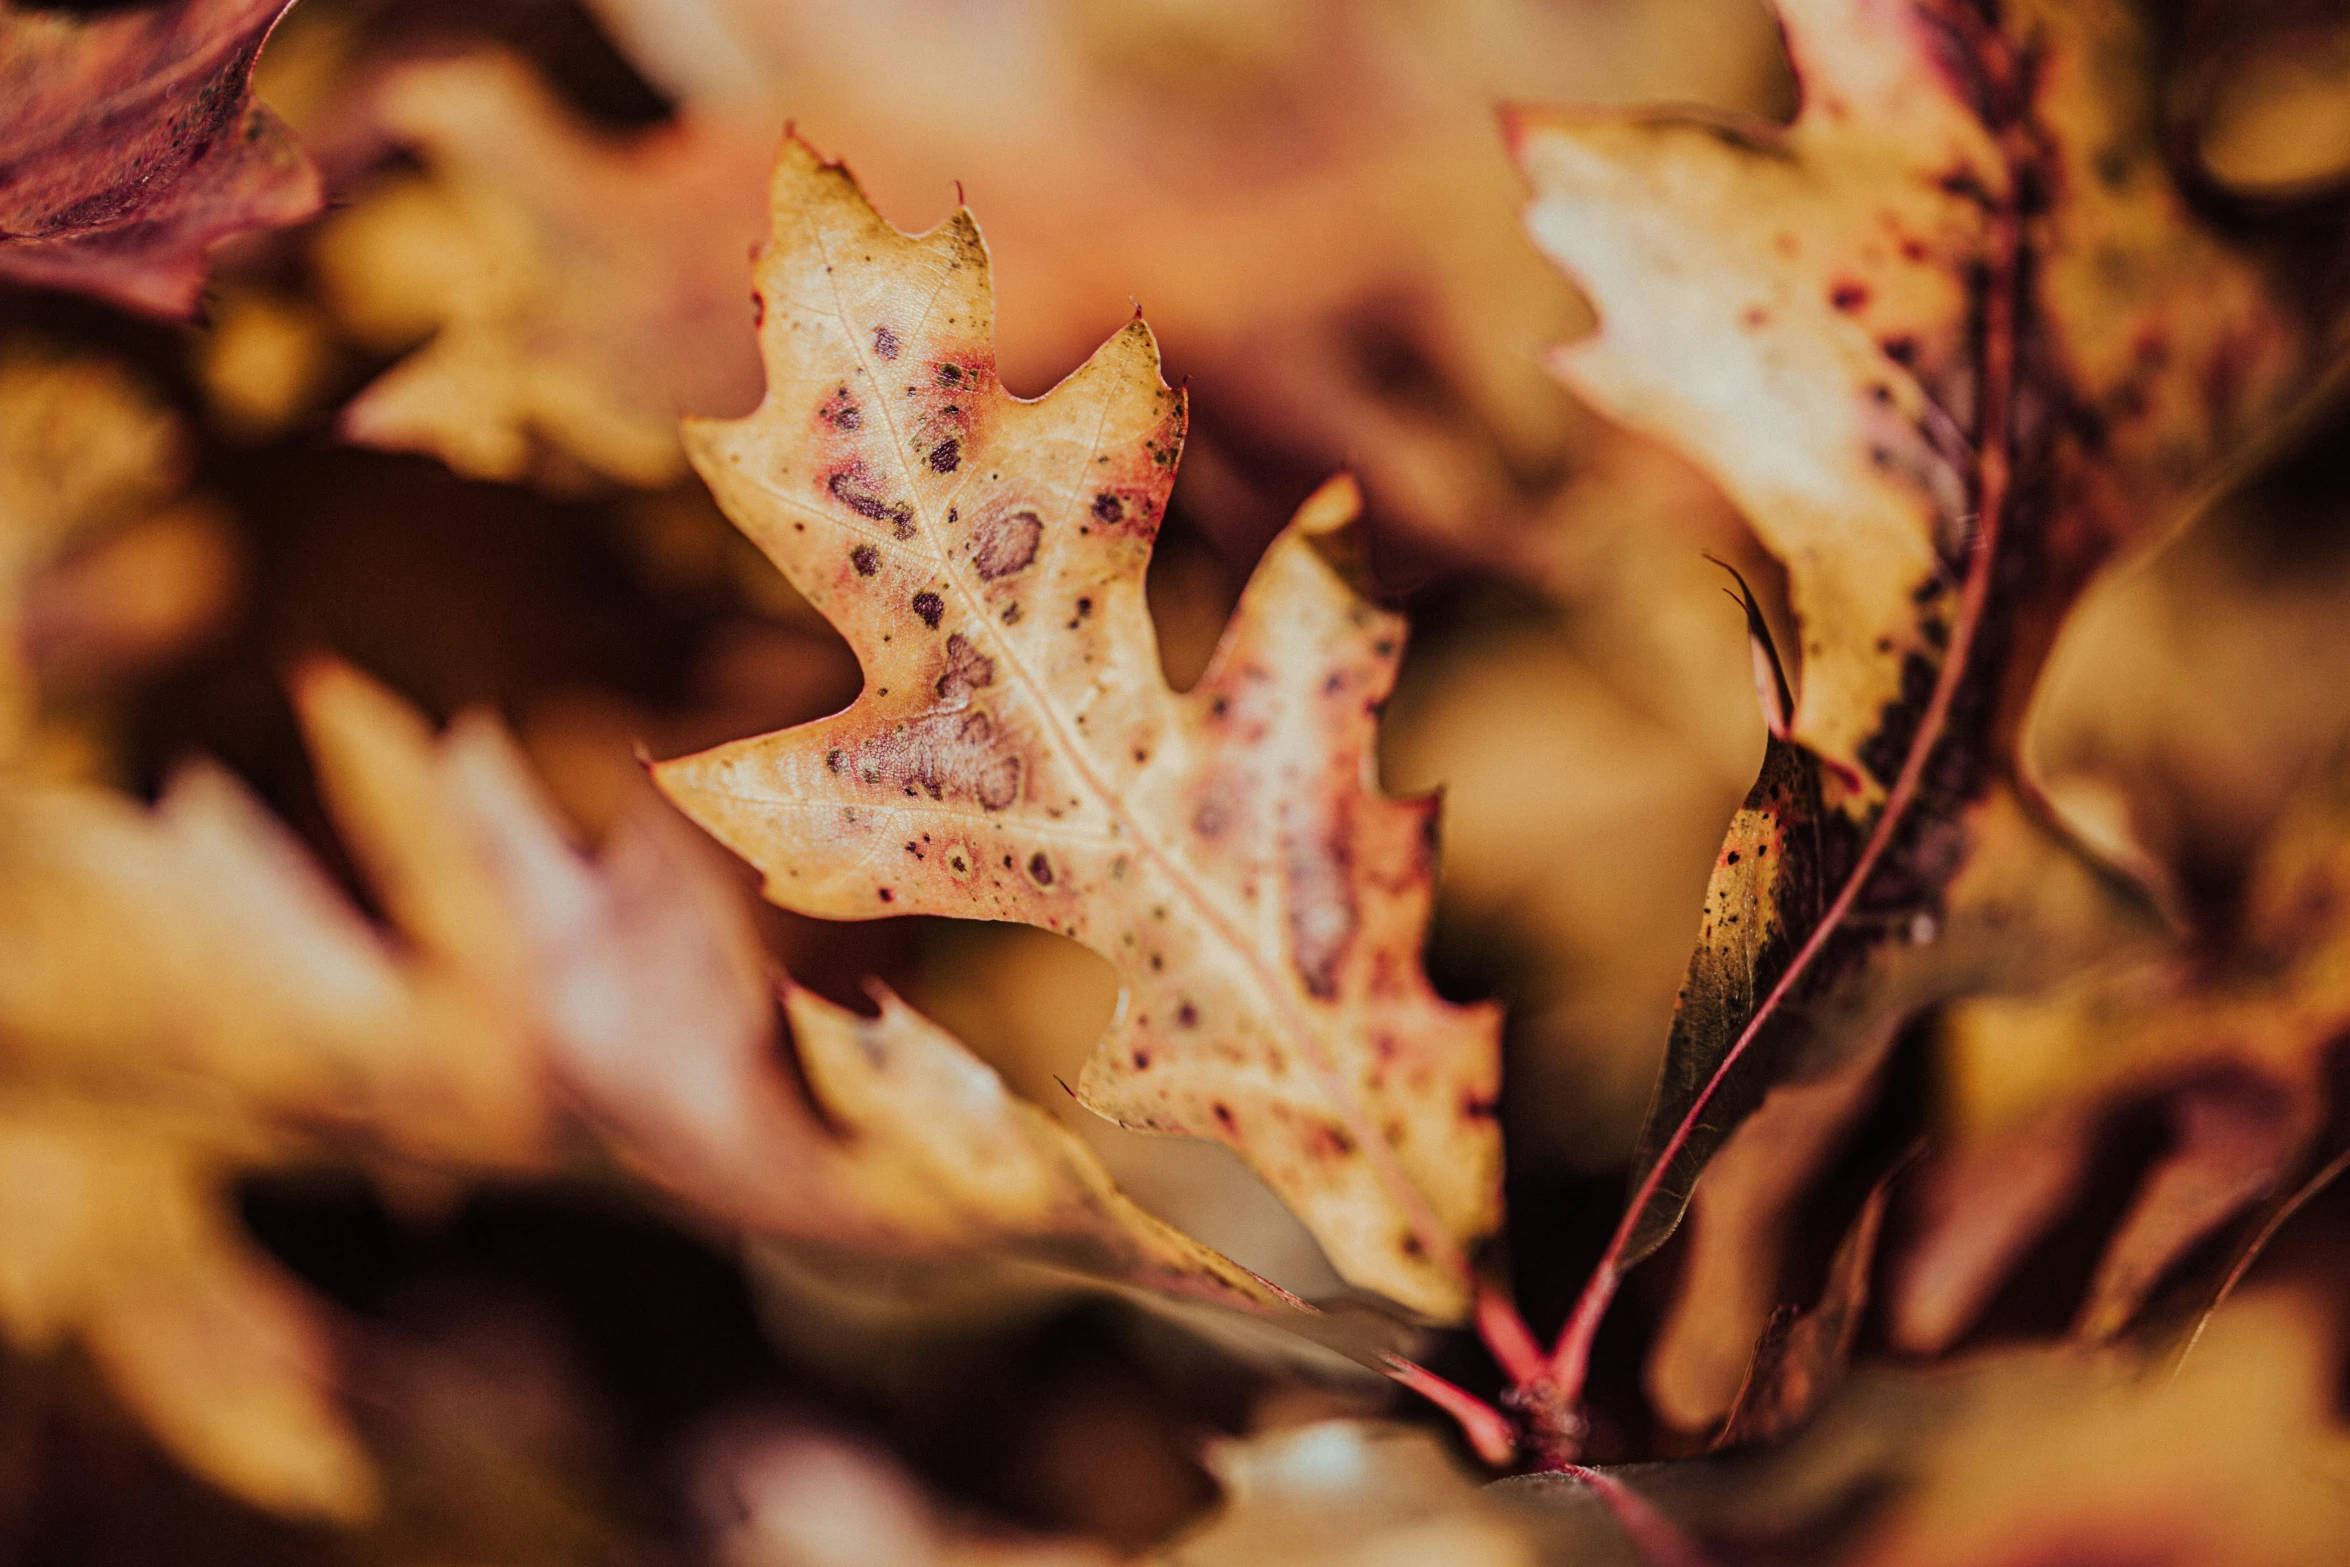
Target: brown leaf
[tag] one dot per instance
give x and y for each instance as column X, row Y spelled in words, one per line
column 2240, row 1461
column 130, row 144
column 651, row 997
column 1948, row 340
column 83, row 448
column 2229, row 1042
column 1017, row 754
column 581, row 293
column 1803, row 1356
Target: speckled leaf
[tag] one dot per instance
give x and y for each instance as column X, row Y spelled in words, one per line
column 1017, row 754
column 130, row 143
column 1947, row 340
column 656, row 1011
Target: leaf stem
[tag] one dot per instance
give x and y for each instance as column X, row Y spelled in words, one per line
column 1512, row 1344
column 1486, row 1427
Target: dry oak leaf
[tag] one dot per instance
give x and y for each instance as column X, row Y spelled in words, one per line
column 130, row 143
column 1017, row 755
column 2229, row 1038
column 636, row 985
column 581, row 293
column 112, row 1233
column 1948, row 340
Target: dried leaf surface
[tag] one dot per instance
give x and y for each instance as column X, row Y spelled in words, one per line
column 1948, row 339
column 1017, row 754
column 130, row 143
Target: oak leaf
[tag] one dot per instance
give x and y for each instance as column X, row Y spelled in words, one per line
column 580, row 293
column 1948, row 340
column 113, row 1235
column 1017, row 754
column 1333, row 257
column 130, row 144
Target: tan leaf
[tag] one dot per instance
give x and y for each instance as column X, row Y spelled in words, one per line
column 560, row 277
column 1018, row 755
column 130, row 144
column 83, row 447
column 1948, row 340
column 2241, row 1460
column 111, row 1233
column 640, row 977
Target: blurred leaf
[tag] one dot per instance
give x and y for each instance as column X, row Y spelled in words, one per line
column 581, row 293
column 130, row 144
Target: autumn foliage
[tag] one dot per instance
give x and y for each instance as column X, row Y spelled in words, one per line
column 687, row 876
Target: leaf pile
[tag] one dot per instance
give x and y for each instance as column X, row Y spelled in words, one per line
column 420, row 1140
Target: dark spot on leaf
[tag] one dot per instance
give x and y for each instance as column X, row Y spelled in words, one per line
column 1848, row 296
column 1225, row 1117
column 888, row 896
column 946, row 456
column 853, row 487
column 930, row 607
column 758, row 309
column 1108, row 508
column 949, row 375
column 1006, row 544
column 948, row 750
column 1187, row 1015
column 1040, row 869
column 967, row 670
column 885, row 342
column 866, row 559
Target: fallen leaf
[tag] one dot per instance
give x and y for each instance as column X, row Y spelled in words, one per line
column 83, row 447
column 130, row 145
column 2228, row 1040
column 111, row 1234
column 1948, row 340
column 1804, row 1355
column 2240, row 1461
column 639, row 976
column 560, row 278
column 1018, row 755
column 2049, row 1453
